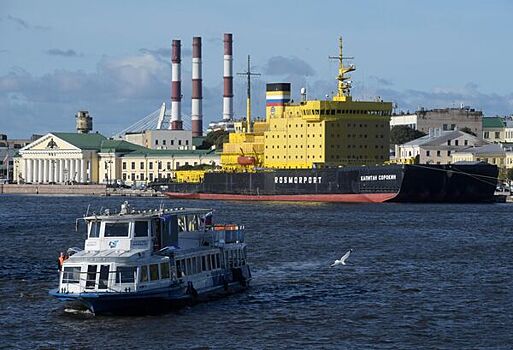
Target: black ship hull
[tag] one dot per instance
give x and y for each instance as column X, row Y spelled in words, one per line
column 454, row 183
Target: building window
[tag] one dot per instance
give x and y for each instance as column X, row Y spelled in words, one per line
column 187, row 142
column 150, row 165
column 141, row 165
column 156, row 141
column 448, row 153
column 448, row 142
column 466, row 142
column 497, row 134
column 164, row 142
column 160, row 165
column 168, row 166
column 177, row 165
column 132, row 176
column 151, row 176
column 456, row 142
column 133, row 165
column 486, row 135
column 141, row 176
column 428, row 153
column 124, row 165
column 172, row 142
column 438, row 153
column 179, row 142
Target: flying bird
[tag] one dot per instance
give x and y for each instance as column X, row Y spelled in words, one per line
column 343, row 259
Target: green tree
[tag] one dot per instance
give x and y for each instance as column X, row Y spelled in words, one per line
column 402, row 133
column 216, row 138
column 468, row 131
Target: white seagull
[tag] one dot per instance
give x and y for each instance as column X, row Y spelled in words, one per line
column 343, row 259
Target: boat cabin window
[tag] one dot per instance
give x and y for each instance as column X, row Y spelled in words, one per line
column 125, row 274
column 154, row 272
column 141, row 229
column 144, row 274
column 164, row 270
column 71, row 275
column 116, row 229
column 94, row 229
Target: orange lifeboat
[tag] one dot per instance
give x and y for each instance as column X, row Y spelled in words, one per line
column 246, row 160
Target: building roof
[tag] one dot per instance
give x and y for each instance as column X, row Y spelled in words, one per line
column 82, row 141
column 437, row 140
column 493, row 122
column 108, row 146
column 492, row 148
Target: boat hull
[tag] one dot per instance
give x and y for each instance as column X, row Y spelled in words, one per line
column 147, row 302
column 460, row 183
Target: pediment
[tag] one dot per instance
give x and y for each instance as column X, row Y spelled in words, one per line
column 50, row 143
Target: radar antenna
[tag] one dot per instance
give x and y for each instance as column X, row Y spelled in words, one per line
column 344, row 87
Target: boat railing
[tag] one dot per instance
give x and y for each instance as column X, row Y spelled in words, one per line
column 225, row 234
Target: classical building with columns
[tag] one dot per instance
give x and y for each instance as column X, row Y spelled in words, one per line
column 60, row 158
column 64, row 158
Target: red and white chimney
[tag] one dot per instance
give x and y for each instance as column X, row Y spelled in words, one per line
column 176, row 88
column 196, row 112
column 228, row 78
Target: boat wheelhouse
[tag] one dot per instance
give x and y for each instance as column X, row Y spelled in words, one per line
column 141, row 261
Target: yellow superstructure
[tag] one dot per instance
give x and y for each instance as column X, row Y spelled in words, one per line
column 313, row 133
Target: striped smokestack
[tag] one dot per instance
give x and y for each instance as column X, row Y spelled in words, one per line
column 176, row 88
column 228, row 78
column 196, row 113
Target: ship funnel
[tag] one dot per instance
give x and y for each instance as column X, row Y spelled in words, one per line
column 196, row 110
column 176, row 88
column 228, row 78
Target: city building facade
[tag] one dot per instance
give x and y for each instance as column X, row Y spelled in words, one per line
column 435, row 148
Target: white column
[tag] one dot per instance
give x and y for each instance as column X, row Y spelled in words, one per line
column 72, row 169
column 61, row 170
column 51, row 170
column 24, row 171
column 83, row 170
column 57, row 171
column 78, row 170
column 39, row 170
column 29, row 170
column 34, row 171
column 45, row 170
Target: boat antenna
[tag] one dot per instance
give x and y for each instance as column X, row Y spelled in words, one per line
column 248, row 74
column 344, row 87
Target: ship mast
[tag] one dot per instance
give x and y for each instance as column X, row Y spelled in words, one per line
column 248, row 73
column 344, row 87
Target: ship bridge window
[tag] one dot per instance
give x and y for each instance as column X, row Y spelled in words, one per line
column 164, row 270
column 154, row 272
column 94, row 229
column 71, row 274
column 141, row 229
column 116, row 229
column 125, row 274
column 143, row 277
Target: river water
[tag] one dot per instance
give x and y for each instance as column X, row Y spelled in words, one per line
column 420, row 276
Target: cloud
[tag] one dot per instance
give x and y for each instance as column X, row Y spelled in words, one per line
column 22, row 24
column 468, row 95
column 63, row 53
column 164, row 53
column 279, row 65
column 381, row 81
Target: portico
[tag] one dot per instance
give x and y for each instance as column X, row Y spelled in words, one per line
column 60, row 158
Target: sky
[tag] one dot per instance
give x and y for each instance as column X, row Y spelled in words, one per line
column 112, row 58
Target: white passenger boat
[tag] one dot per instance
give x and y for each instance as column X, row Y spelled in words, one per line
column 144, row 261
